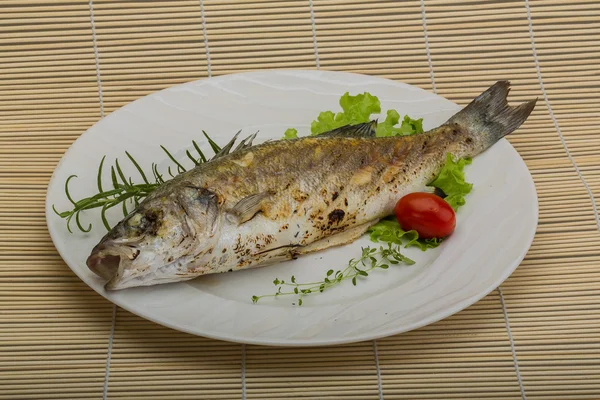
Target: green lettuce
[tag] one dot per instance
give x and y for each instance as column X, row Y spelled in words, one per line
column 356, row 109
column 408, row 127
column 389, row 230
column 451, row 181
column 290, row 133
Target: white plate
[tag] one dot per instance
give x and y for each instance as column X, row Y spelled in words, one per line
column 494, row 229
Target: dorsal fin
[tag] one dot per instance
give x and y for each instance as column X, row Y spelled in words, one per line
column 244, row 144
column 365, row 129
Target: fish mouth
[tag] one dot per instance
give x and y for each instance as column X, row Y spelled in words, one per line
column 109, row 261
column 125, row 264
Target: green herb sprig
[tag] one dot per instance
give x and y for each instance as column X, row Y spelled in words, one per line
column 370, row 259
column 124, row 191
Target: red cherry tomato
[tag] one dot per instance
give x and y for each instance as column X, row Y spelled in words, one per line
column 428, row 214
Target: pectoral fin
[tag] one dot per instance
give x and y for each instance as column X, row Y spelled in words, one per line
column 248, row 207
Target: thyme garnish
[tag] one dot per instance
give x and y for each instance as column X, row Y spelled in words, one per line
column 371, row 258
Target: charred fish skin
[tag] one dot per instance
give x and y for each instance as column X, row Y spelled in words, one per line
column 262, row 204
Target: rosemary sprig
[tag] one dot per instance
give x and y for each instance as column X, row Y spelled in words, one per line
column 125, row 191
column 371, row 258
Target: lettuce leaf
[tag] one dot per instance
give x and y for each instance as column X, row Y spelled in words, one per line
column 408, row 127
column 359, row 108
column 389, row 230
column 386, row 128
column 326, row 121
column 290, row 133
column 356, row 109
column 411, row 126
column 451, row 181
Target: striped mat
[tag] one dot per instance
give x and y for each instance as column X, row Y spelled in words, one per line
column 66, row 64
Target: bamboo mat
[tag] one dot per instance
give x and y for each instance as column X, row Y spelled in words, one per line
column 66, row 64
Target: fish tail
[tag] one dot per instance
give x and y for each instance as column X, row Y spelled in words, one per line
column 489, row 117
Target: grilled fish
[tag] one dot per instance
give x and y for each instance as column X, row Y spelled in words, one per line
column 278, row 200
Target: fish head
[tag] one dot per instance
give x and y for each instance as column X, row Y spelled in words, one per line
column 167, row 238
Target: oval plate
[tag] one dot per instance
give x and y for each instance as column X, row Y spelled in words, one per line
column 494, row 229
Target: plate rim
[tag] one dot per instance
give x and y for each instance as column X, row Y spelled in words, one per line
column 286, row 342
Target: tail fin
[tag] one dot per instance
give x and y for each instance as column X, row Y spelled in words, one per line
column 490, row 116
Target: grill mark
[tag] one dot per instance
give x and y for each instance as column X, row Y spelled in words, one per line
column 336, row 216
